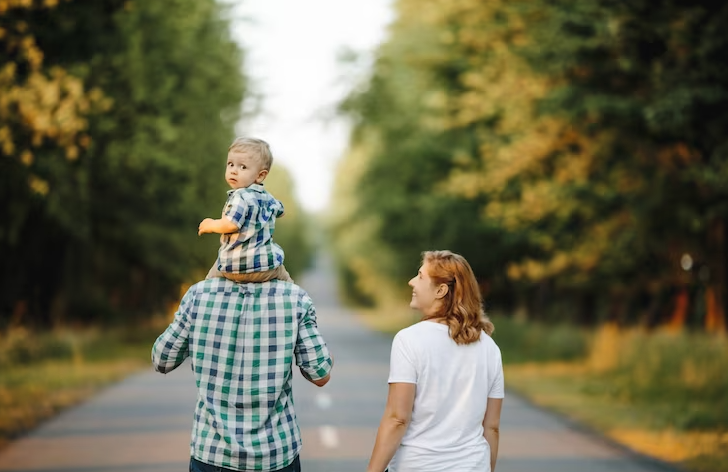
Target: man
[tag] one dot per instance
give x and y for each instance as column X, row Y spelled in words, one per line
column 242, row 340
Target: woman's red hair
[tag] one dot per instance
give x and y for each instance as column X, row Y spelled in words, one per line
column 462, row 306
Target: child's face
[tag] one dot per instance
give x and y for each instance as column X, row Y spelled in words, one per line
column 243, row 169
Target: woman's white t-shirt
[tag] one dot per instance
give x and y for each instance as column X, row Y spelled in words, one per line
column 454, row 383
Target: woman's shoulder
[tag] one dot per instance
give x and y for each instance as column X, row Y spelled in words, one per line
column 489, row 343
column 419, row 332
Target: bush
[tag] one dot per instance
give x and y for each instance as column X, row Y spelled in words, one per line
column 534, row 342
column 686, row 373
column 18, row 346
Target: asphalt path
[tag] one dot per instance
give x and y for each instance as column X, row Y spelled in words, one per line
column 142, row 424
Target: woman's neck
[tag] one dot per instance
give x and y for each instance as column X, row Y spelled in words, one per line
column 433, row 318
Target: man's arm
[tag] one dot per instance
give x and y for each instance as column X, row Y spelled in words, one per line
column 312, row 354
column 171, row 347
column 319, row 382
column 221, row 226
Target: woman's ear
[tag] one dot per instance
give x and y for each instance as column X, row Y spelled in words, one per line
column 442, row 291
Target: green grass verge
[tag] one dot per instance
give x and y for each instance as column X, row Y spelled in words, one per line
column 570, row 389
column 42, row 373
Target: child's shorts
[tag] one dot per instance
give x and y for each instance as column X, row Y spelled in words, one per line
column 279, row 273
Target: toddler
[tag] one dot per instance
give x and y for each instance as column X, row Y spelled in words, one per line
column 247, row 251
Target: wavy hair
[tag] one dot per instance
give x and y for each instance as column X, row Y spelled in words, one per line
column 462, row 306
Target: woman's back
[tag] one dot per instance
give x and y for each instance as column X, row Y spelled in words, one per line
column 453, row 384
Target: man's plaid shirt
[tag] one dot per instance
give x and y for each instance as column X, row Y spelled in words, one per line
column 251, row 249
column 242, row 340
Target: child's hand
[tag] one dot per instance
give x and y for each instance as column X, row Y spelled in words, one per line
column 205, row 226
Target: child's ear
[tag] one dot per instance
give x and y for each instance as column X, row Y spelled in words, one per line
column 261, row 176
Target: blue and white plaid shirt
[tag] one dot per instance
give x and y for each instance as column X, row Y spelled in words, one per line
column 251, row 249
column 242, row 340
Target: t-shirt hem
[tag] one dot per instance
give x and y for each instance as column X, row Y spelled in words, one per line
column 398, row 380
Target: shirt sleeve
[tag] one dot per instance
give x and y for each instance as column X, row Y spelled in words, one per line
column 236, row 209
column 171, row 347
column 497, row 389
column 279, row 208
column 402, row 362
column 312, row 354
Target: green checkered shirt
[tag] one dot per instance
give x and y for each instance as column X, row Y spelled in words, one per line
column 242, row 340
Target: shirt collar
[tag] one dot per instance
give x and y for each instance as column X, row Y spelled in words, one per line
column 253, row 187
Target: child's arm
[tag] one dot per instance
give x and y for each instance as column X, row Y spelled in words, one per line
column 221, row 226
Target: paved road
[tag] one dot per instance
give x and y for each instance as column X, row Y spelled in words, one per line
column 143, row 423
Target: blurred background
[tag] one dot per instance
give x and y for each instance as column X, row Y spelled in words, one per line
column 576, row 153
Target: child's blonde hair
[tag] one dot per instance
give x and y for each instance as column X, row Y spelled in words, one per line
column 255, row 146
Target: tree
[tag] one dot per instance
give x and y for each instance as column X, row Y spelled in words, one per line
column 145, row 96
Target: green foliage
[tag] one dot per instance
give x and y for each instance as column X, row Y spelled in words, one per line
column 42, row 372
column 393, row 197
column 535, row 342
column 292, row 229
column 684, row 374
column 574, row 149
column 99, row 221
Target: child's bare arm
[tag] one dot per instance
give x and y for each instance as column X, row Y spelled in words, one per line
column 221, row 226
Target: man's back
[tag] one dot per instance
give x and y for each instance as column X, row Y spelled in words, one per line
column 242, row 340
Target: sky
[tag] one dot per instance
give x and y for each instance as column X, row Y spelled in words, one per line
column 292, row 48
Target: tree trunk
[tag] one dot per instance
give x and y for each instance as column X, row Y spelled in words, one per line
column 715, row 294
column 679, row 315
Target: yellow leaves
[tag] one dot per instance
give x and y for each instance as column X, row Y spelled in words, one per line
column 6, row 5
column 48, row 107
column 40, row 106
column 672, row 445
column 26, row 157
column 465, row 184
column 606, row 347
column 585, row 254
column 38, row 185
column 32, row 53
column 6, row 144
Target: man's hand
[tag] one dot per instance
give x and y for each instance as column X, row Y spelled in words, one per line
column 206, row 226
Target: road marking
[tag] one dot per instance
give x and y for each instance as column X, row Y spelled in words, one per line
column 323, row 401
column 329, row 437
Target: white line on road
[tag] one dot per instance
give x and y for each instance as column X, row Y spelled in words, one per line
column 323, row 400
column 329, row 437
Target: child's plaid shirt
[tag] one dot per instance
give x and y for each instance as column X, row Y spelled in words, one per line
column 251, row 249
column 242, row 340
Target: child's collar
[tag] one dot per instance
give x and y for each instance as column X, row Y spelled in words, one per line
column 253, row 187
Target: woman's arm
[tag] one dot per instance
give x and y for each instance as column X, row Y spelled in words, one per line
column 396, row 419
column 491, row 428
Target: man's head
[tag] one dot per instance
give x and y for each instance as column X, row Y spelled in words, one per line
column 248, row 162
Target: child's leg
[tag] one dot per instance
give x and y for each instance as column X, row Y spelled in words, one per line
column 213, row 273
column 251, row 277
column 279, row 273
column 282, row 274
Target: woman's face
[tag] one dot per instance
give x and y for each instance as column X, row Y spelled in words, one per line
column 424, row 292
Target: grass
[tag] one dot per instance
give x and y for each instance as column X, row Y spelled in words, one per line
column 42, row 373
column 659, row 393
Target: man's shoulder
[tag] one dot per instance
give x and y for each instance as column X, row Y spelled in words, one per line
column 275, row 288
column 281, row 287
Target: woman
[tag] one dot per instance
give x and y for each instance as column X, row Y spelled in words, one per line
column 445, row 379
